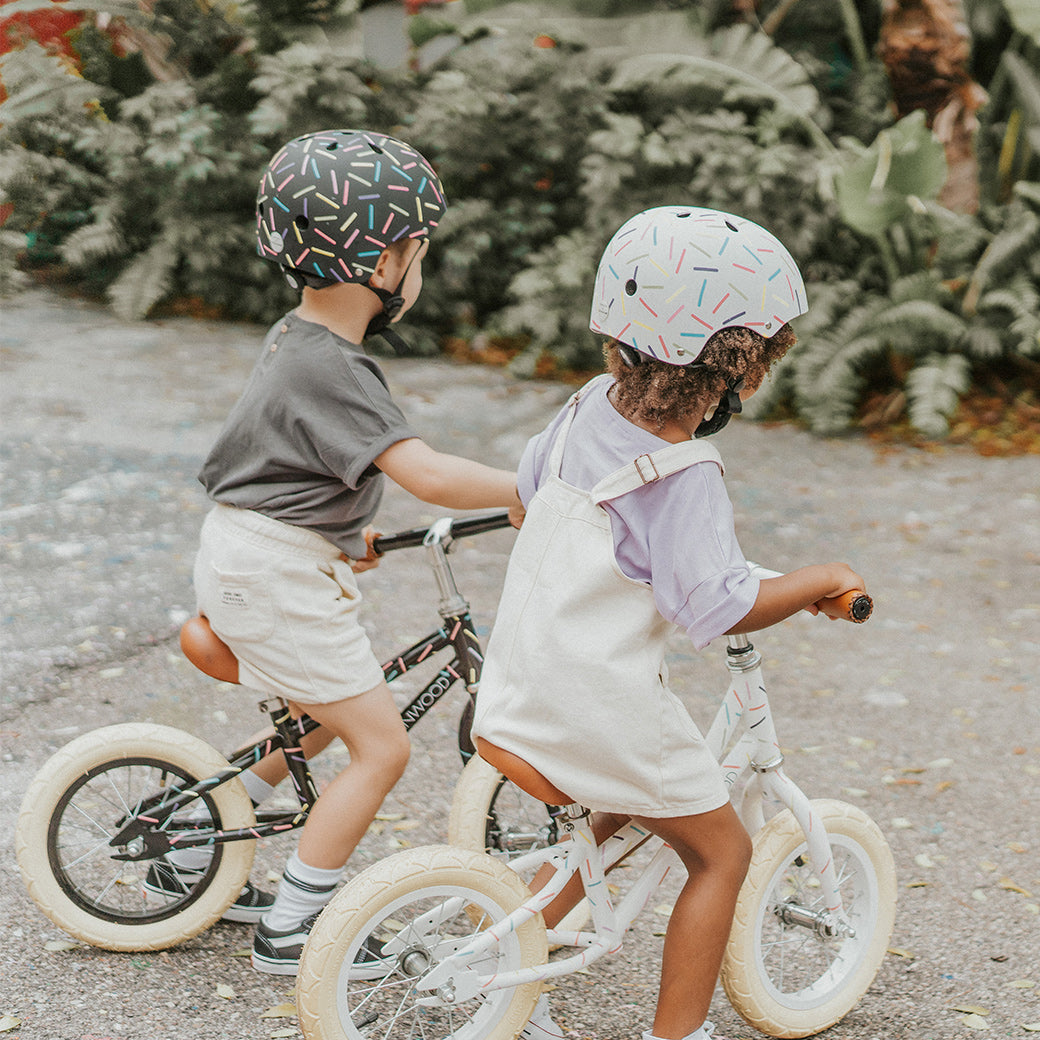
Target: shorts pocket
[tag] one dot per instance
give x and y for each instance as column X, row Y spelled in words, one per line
column 241, row 607
column 339, row 571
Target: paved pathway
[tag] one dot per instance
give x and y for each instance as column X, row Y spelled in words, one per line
column 928, row 717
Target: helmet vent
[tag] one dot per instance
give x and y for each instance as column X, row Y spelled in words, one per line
column 332, row 146
column 731, row 227
column 683, row 216
column 631, row 287
column 302, row 222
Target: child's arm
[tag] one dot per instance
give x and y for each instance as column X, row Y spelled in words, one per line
column 779, row 598
column 448, row 480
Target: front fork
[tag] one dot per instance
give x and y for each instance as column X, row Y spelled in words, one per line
column 758, row 753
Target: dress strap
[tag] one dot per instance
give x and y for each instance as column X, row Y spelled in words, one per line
column 556, row 453
column 648, row 469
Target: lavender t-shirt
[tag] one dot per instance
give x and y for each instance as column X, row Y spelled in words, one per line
column 676, row 534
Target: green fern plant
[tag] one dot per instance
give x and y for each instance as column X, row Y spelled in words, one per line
column 852, row 334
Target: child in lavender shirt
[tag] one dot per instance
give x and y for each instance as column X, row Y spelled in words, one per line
column 629, row 532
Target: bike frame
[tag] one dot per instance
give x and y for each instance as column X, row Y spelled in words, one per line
column 744, row 741
column 145, row 830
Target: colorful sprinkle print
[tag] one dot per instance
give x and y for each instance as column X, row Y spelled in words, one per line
column 329, row 203
column 673, row 276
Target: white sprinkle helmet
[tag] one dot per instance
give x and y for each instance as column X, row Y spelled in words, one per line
column 673, row 276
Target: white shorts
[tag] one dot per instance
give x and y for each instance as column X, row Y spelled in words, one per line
column 286, row 602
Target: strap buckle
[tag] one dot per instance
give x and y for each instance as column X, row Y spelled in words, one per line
column 640, row 465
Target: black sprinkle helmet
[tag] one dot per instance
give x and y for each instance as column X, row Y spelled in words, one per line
column 330, row 202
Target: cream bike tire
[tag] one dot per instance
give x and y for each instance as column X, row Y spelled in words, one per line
column 490, row 814
column 785, row 979
column 83, row 796
column 338, row 1001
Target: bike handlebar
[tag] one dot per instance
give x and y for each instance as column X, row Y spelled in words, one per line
column 460, row 528
column 852, row 606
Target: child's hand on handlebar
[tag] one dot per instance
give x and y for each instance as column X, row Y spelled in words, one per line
column 367, row 562
column 833, row 604
column 517, row 512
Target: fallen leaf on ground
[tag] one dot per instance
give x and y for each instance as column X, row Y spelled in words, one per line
column 225, row 991
column 1021, row 984
column 1010, row 886
column 60, row 945
column 901, row 823
column 1031, row 1027
column 287, row 1010
column 390, row 817
column 905, row 954
column 970, row 1009
column 918, row 884
column 246, row 951
column 279, row 1034
column 975, row 1022
column 9, row 1022
column 663, row 909
column 922, row 859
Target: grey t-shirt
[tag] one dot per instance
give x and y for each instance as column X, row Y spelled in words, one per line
column 300, row 442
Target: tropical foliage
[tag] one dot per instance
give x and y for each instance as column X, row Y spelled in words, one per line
column 132, row 136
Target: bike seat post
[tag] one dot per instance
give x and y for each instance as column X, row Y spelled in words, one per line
column 437, row 542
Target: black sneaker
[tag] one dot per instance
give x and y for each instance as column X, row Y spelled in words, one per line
column 164, row 879
column 278, row 953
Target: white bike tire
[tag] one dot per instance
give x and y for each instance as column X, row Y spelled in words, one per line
column 116, row 748
column 329, row 996
column 819, row 996
column 471, row 806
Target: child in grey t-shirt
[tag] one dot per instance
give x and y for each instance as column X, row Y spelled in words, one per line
column 297, row 474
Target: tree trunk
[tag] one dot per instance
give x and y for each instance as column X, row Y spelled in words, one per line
column 926, row 48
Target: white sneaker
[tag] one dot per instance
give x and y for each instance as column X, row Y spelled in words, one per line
column 706, row 1032
column 541, row 1026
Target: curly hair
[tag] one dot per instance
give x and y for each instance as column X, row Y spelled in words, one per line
column 657, row 393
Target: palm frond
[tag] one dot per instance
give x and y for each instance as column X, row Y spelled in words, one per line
column 144, row 282
column 933, row 389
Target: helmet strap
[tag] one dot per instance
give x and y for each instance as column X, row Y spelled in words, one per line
column 629, row 356
column 730, row 404
column 392, row 303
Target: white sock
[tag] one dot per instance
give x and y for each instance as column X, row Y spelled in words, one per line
column 198, row 858
column 303, row 891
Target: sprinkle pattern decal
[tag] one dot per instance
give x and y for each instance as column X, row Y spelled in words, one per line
column 329, row 203
column 673, row 276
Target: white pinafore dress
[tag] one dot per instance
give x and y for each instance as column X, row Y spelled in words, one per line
column 575, row 681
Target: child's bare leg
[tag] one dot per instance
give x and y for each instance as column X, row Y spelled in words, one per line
column 371, row 727
column 716, row 850
column 603, row 826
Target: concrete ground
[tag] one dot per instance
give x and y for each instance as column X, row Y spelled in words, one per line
column 927, row 717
